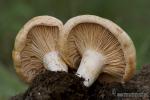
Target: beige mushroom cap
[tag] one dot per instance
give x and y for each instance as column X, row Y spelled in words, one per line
column 89, row 32
column 37, row 37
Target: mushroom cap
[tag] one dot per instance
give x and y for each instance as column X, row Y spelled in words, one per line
column 102, row 35
column 37, row 37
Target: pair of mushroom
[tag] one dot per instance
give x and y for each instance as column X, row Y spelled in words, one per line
column 96, row 47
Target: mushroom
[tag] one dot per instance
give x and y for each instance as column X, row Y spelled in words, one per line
column 98, row 49
column 36, row 47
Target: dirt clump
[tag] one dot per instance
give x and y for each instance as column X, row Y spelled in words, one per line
column 67, row 86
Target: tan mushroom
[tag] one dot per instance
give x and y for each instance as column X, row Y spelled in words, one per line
column 98, row 48
column 36, row 47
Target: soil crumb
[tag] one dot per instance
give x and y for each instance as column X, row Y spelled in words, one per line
column 67, row 86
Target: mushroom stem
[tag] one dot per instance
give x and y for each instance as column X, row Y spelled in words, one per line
column 90, row 67
column 53, row 62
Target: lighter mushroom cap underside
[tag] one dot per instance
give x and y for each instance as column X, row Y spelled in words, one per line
column 37, row 38
column 88, row 33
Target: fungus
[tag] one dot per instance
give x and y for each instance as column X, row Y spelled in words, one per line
column 98, row 49
column 36, row 47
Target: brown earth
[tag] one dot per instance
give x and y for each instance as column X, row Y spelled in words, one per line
column 67, row 86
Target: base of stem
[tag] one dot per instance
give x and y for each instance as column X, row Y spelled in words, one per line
column 53, row 62
column 90, row 67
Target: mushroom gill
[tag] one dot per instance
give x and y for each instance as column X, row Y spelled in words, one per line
column 40, row 40
column 36, row 47
column 91, row 36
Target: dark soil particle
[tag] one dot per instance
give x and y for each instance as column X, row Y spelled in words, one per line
column 67, row 86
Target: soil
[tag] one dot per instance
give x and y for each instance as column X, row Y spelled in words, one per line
column 67, row 86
